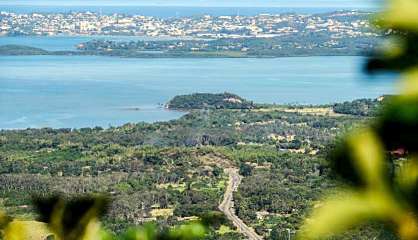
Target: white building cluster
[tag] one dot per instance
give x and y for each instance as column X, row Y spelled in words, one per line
column 340, row 24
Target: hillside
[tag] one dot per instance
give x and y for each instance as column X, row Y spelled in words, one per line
column 21, row 50
column 209, row 100
column 170, row 172
column 362, row 107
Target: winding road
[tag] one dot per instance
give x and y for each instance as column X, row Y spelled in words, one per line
column 227, row 205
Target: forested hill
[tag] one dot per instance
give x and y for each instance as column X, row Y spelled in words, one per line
column 209, row 100
column 361, row 107
column 21, row 50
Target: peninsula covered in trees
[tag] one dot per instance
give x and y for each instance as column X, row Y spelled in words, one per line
column 320, row 44
column 209, row 101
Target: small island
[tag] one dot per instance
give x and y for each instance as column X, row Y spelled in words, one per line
column 209, row 101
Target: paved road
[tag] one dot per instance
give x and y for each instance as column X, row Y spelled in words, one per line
column 227, row 205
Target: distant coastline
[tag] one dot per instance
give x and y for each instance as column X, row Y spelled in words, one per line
column 341, row 33
column 22, row 50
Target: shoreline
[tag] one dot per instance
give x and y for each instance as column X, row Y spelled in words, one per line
column 25, row 50
column 313, row 109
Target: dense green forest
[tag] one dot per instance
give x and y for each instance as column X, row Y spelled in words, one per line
column 303, row 44
column 306, row 44
column 172, row 172
column 361, row 107
column 207, row 100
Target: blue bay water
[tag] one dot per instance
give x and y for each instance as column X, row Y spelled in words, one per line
column 87, row 91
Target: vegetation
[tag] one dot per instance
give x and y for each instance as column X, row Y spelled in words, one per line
column 299, row 44
column 209, row 101
column 361, row 107
column 379, row 162
column 171, row 173
column 317, row 44
column 21, row 50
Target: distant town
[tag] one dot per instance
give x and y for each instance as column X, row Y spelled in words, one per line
column 264, row 35
column 341, row 24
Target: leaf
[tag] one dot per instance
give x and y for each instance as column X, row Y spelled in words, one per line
column 409, row 83
column 400, row 57
column 73, row 219
column 188, row 232
column 401, row 14
column 147, row 232
column 4, row 220
column 368, row 157
column 360, row 160
column 338, row 214
column 398, row 125
column 407, row 181
column 26, row 230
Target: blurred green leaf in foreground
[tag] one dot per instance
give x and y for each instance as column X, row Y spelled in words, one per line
column 380, row 160
column 78, row 219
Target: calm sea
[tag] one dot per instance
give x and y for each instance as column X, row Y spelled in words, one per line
column 81, row 91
